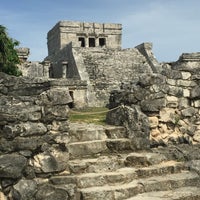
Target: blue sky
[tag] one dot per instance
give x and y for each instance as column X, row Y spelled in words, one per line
column 173, row 26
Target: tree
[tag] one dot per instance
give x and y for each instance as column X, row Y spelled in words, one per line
column 8, row 55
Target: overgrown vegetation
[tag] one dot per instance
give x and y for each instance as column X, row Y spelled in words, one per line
column 8, row 54
column 95, row 115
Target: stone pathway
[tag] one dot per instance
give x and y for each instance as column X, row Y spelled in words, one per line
column 103, row 166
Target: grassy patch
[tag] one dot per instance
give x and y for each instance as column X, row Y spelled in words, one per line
column 95, row 115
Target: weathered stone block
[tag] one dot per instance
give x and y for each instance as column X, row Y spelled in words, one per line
column 20, row 143
column 49, row 162
column 12, row 165
column 186, row 93
column 153, row 122
column 31, row 129
column 172, row 101
column 175, row 91
column 11, row 131
column 186, row 83
column 195, row 92
column 2, row 196
column 188, row 112
column 167, row 115
column 26, row 189
column 172, row 74
column 183, row 103
column 171, row 82
column 59, row 96
column 151, row 79
column 136, row 123
column 57, row 112
column 50, row 192
column 196, row 103
column 195, row 77
column 153, row 105
column 55, row 96
column 194, row 165
column 186, row 75
column 144, row 159
column 62, row 126
column 20, row 111
column 196, row 136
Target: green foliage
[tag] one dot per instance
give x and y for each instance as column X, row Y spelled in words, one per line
column 8, row 55
column 96, row 115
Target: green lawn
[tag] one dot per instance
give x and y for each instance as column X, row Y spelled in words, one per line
column 95, row 115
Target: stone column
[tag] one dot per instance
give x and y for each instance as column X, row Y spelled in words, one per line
column 46, row 69
column 96, row 42
column 87, row 41
column 64, row 69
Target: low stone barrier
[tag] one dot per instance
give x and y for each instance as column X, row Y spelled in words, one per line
column 33, row 137
column 170, row 100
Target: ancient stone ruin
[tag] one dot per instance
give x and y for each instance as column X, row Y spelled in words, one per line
column 149, row 148
column 91, row 52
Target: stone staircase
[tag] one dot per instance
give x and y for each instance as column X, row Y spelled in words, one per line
column 103, row 166
column 128, row 61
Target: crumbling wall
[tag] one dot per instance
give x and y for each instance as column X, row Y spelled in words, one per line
column 170, row 100
column 63, row 64
column 107, row 68
column 33, row 138
column 35, row 69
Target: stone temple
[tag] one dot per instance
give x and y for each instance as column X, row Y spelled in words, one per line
column 90, row 58
column 149, row 147
column 92, row 53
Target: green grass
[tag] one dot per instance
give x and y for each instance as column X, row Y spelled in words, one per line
column 96, row 115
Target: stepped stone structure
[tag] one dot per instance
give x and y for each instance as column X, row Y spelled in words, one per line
column 92, row 52
column 45, row 156
column 170, row 101
column 149, row 148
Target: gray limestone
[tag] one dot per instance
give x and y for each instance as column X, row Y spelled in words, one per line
column 44, row 156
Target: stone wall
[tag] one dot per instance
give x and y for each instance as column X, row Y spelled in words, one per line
column 65, row 32
column 107, row 69
column 33, row 137
column 63, row 64
column 170, row 100
column 104, row 66
column 104, row 69
column 35, row 69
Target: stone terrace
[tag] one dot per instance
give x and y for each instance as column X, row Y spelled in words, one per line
column 103, row 164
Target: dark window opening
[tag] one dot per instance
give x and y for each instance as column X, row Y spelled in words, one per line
column 91, row 42
column 102, row 42
column 82, row 40
column 71, row 104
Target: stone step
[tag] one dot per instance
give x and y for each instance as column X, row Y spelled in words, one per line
column 144, row 159
column 104, row 163
column 114, row 132
column 82, row 149
column 170, row 181
column 157, row 183
column 111, row 192
column 183, row 193
column 87, row 132
column 163, row 168
column 91, row 148
column 121, row 175
column 114, row 161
